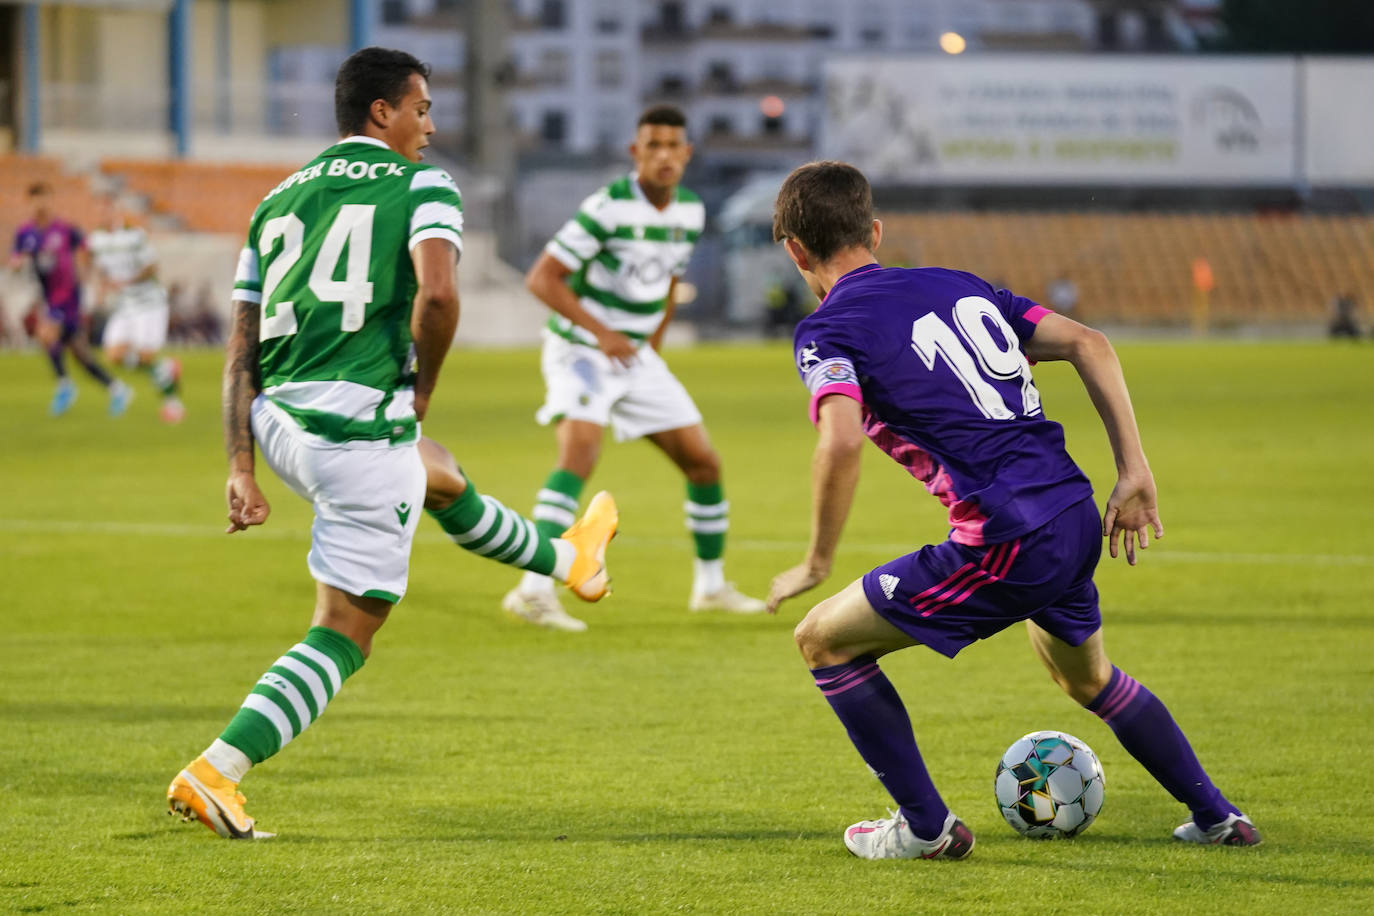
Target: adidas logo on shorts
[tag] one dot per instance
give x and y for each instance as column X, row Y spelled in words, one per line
column 888, row 584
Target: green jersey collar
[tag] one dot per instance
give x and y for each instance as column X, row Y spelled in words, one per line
column 359, row 138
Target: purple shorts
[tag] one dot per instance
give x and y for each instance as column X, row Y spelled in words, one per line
column 950, row 595
column 66, row 313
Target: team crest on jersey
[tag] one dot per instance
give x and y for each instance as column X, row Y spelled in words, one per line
column 834, row 371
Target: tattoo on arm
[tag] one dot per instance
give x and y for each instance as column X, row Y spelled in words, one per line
column 241, row 384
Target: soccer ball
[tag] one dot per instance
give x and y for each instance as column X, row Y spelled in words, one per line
column 1049, row 784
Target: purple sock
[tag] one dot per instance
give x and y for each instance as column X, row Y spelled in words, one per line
column 1144, row 727
column 55, row 356
column 876, row 720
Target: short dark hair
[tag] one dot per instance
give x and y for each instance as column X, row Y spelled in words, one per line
column 39, row 188
column 825, row 207
column 368, row 75
column 666, row 115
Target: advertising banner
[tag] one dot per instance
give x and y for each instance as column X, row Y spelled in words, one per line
column 1339, row 97
column 1040, row 119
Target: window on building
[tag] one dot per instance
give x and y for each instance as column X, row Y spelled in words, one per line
column 720, row 126
column 772, row 127
column 773, row 69
column 720, row 15
column 720, row 75
column 918, row 29
column 610, row 68
column 672, row 84
column 608, row 13
column 553, row 128
column 552, row 14
column 553, row 66
column 771, row 13
column 670, row 17
column 872, row 31
column 393, row 12
column 872, row 24
column 1013, row 17
column 1066, row 18
column 967, row 21
column 610, row 128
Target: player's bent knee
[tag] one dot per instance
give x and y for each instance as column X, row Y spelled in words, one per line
column 808, row 640
column 816, row 641
column 442, row 489
column 444, row 480
column 1085, row 689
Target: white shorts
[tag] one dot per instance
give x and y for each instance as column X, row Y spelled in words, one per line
column 581, row 383
column 368, row 503
column 142, row 327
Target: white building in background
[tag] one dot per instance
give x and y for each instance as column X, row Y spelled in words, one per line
column 747, row 72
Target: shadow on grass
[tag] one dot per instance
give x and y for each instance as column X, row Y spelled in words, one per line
column 1357, row 618
column 103, row 712
column 1201, row 868
column 529, row 838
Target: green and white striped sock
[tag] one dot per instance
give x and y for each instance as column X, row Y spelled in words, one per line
column 555, row 509
column 484, row 526
column 708, row 518
column 555, row 506
column 293, row 693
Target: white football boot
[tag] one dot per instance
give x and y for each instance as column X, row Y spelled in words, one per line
column 891, row 838
column 726, row 598
column 543, row 609
column 1236, row 830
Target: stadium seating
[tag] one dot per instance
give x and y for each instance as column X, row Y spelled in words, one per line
column 201, row 196
column 1136, row 268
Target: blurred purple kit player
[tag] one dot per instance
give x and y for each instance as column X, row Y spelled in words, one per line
column 931, row 365
column 53, row 247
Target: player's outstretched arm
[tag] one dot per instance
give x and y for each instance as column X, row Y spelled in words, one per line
column 247, row 505
column 548, row 280
column 434, row 317
column 834, row 478
column 1132, row 510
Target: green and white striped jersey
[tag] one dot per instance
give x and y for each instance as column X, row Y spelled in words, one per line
column 120, row 255
column 624, row 253
column 328, row 258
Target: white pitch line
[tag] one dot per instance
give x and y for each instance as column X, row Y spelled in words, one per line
column 286, row 533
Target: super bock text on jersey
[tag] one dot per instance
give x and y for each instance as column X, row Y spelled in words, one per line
column 935, row 357
column 624, row 254
column 328, row 260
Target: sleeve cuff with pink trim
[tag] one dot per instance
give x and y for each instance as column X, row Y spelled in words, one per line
column 848, row 389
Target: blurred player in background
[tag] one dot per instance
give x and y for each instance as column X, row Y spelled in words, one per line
column 345, row 305
column 125, row 267
column 931, row 365
column 610, row 275
column 57, row 252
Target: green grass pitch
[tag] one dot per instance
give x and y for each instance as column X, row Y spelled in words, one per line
column 665, row 761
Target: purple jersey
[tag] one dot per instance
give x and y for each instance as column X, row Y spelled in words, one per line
column 53, row 252
column 935, row 358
